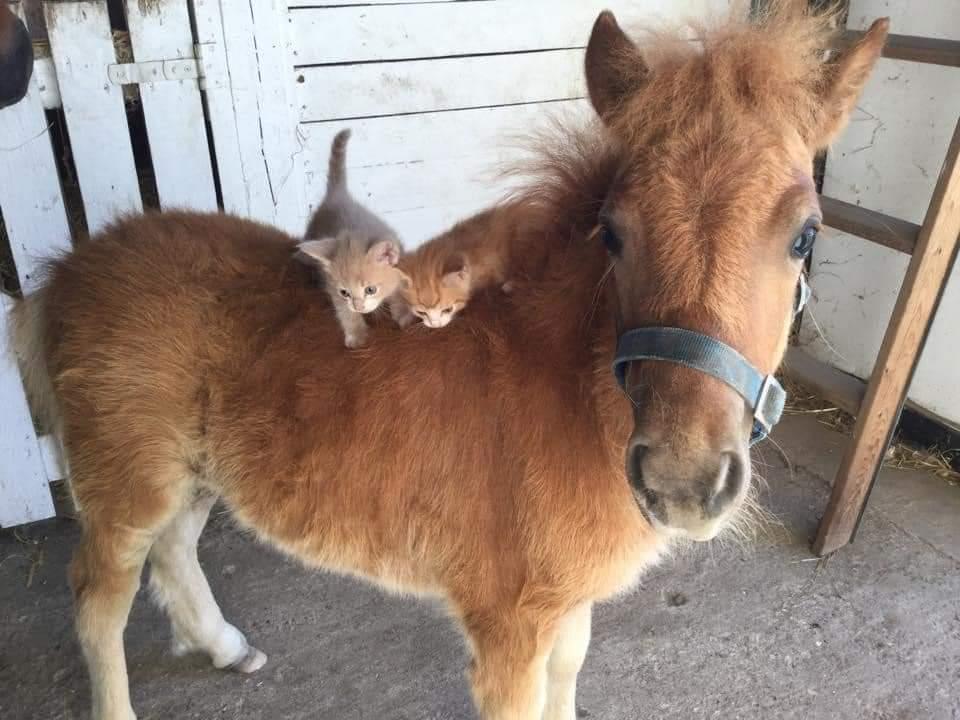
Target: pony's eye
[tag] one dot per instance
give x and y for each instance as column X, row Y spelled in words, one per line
column 447, row 310
column 344, row 293
column 370, row 290
column 610, row 240
column 803, row 243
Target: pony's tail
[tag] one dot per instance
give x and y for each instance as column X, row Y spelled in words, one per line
column 27, row 341
column 337, row 171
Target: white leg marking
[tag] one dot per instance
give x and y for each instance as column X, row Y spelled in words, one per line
column 566, row 659
column 180, row 587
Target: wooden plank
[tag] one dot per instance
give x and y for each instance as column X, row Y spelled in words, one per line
column 913, row 314
column 160, row 30
column 358, row 91
column 30, row 196
column 82, row 48
column 933, row 51
column 340, row 3
column 402, row 32
column 885, row 230
column 250, row 97
column 833, row 385
column 24, row 490
column 46, row 75
column 407, row 167
column 212, row 54
column 839, row 388
column 53, row 461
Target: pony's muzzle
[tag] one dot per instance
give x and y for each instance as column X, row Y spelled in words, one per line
column 692, row 491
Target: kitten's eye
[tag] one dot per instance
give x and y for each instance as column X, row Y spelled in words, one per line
column 447, row 310
column 345, row 293
column 370, row 290
column 419, row 313
column 611, row 240
column 803, row 243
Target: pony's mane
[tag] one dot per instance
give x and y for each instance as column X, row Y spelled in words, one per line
column 561, row 182
column 564, row 176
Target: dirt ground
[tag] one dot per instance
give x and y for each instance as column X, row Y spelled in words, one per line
column 719, row 631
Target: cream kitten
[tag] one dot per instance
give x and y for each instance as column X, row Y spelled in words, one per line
column 356, row 250
column 360, row 272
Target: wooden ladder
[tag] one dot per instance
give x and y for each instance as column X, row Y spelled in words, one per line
column 933, row 247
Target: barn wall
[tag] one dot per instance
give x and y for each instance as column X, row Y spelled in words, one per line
column 437, row 92
column 888, row 160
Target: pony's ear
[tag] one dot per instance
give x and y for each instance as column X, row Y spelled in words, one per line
column 385, row 252
column 320, row 251
column 845, row 77
column 615, row 67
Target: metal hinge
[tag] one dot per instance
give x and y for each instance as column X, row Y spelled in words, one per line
column 203, row 68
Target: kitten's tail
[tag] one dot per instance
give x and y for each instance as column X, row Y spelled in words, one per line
column 337, row 172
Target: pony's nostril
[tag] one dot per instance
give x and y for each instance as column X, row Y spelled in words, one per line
column 727, row 484
column 635, row 453
column 635, row 456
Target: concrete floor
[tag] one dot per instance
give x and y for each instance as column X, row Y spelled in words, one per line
column 719, row 631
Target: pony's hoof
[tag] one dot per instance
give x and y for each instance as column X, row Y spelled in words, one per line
column 251, row 662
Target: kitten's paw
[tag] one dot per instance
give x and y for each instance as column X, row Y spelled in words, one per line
column 355, row 340
column 508, row 287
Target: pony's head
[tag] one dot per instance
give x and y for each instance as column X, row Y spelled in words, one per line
column 708, row 221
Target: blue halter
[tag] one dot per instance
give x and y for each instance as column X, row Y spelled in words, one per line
column 763, row 394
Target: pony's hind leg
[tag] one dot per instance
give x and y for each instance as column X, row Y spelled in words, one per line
column 179, row 585
column 105, row 575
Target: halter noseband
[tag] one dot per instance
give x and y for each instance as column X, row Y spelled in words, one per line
column 763, row 394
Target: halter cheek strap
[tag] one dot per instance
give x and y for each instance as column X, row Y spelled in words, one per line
column 763, row 394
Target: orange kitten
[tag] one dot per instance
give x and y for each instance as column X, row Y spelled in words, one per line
column 444, row 272
column 360, row 272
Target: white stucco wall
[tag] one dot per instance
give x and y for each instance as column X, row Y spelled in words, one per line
column 888, row 160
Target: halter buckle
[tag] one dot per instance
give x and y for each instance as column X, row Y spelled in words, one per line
column 769, row 404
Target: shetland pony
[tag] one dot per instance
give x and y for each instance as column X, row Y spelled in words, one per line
column 496, row 463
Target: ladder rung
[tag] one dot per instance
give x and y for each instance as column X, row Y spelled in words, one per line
column 882, row 229
column 916, row 49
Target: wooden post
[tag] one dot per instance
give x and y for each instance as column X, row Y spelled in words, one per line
column 913, row 314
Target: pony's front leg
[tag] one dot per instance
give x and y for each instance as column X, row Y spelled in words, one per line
column 566, row 659
column 509, row 671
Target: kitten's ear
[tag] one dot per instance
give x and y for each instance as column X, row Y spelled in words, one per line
column 320, row 251
column 456, row 273
column 385, row 252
